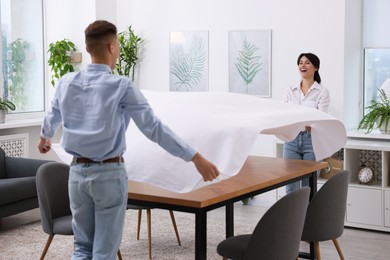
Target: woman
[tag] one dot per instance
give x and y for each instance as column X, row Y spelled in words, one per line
column 309, row 92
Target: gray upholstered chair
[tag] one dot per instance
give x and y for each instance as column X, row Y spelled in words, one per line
column 148, row 217
column 52, row 188
column 326, row 213
column 18, row 191
column 276, row 236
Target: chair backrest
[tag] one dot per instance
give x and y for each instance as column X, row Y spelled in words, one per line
column 326, row 212
column 2, row 164
column 52, row 189
column 278, row 233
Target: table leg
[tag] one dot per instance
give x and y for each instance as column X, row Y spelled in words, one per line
column 313, row 190
column 313, row 184
column 312, row 253
column 229, row 220
column 201, row 235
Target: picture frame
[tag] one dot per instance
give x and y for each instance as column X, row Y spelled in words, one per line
column 189, row 61
column 250, row 62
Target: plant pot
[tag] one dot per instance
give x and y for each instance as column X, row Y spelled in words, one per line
column 2, row 116
column 383, row 128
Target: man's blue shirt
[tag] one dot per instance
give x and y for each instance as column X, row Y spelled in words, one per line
column 95, row 107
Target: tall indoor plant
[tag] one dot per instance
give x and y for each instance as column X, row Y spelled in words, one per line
column 60, row 58
column 378, row 115
column 18, row 72
column 129, row 45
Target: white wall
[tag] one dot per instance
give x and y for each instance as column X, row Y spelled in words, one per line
column 297, row 26
column 326, row 27
column 351, row 101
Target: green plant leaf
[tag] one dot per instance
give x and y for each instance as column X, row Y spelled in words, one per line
column 129, row 48
column 60, row 58
column 6, row 104
column 378, row 115
column 248, row 63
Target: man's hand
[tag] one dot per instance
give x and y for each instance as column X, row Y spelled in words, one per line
column 44, row 145
column 207, row 169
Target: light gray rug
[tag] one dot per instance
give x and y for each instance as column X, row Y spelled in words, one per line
column 27, row 241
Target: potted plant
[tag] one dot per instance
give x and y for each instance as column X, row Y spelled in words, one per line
column 5, row 104
column 61, row 58
column 129, row 46
column 378, row 115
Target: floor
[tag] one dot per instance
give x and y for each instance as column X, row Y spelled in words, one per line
column 356, row 244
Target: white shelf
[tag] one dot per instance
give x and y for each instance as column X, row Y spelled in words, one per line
column 366, row 203
column 361, row 134
column 368, row 144
column 18, row 123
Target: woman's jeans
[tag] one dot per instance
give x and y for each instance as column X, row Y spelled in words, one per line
column 301, row 148
column 98, row 199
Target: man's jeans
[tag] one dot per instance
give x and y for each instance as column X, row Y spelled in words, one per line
column 98, row 199
column 301, row 148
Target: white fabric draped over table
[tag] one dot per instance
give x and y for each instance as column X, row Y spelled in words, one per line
column 223, row 127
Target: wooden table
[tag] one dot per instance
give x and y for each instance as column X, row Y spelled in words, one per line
column 258, row 175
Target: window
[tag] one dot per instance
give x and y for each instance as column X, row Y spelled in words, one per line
column 376, row 44
column 22, row 57
column 376, row 73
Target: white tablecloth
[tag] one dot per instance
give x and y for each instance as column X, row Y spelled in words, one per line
column 223, row 127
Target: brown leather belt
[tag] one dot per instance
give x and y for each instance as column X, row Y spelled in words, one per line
column 117, row 159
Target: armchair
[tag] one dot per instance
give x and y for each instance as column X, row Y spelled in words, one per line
column 18, row 191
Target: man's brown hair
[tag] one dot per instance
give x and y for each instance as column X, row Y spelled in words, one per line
column 98, row 34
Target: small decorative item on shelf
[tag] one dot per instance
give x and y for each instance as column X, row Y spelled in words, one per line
column 365, row 175
column 378, row 115
column 334, row 166
column 4, row 106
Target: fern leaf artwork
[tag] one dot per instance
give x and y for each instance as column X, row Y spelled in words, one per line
column 248, row 63
column 188, row 65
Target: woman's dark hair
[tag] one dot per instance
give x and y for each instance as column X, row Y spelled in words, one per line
column 315, row 61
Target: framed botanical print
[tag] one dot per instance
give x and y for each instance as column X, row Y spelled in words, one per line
column 250, row 62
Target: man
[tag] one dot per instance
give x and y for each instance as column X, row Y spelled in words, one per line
column 95, row 107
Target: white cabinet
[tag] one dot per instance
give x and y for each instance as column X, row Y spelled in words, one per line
column 368, row 205
column 387, row 208
column 364, row 206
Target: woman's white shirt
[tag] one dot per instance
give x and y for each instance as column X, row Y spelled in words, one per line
column 317, row 96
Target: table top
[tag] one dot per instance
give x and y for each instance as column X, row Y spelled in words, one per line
column 257, row 173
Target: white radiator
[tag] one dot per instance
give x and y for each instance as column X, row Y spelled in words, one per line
column 15, row 145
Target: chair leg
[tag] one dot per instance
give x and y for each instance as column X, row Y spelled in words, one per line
column 148, row 213
column 139, row 222
column 317, row 250
column 48, row 242
column 119, row 254
column 174, row 226
column 336, row 244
